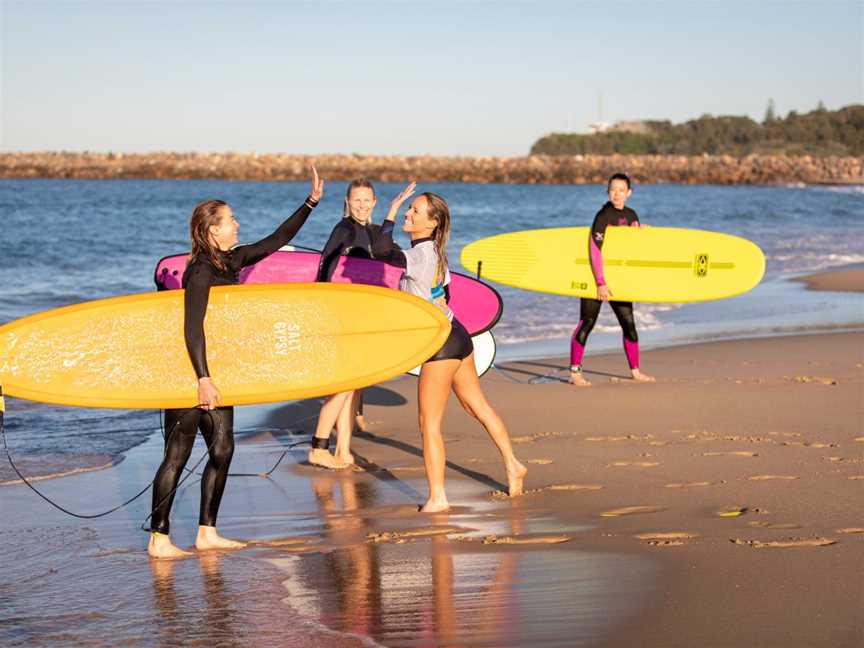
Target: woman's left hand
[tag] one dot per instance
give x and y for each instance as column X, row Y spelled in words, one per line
column 317, row 186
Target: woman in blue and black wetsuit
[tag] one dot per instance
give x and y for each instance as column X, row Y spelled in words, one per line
column 214, row 261
column 352, row 236
column 427, row 221
column 616, row 213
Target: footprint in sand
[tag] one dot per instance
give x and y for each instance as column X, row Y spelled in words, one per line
column 540, row 462
column 785, row 434
column 667, row 539
column 786, row 543
column 733, row 453
column 635, row 464
column 851, row 530
column 772, row 477
column 401, row 537
column 631, row 510
column 857, row 477
column 809, row 444
column 501, row 495
column 844, row 460
column 629, row 437
column 573, row 487
column 774, row 525
column 818, row 380
column 531, row 438
column 524, row 540
column 689, row 484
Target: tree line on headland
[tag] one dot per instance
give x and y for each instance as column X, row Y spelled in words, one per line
column 844, row 167
column 818, row 133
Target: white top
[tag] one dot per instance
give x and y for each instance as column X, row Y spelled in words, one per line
column 420, row 276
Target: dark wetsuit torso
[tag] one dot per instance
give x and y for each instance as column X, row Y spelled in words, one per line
column 348, row 238
column 217, row 426
column 589, row 309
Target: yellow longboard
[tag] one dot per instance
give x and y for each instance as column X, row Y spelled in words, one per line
column 265, row 343
column 656, row 264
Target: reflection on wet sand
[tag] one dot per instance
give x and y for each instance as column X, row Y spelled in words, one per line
column 422, row 588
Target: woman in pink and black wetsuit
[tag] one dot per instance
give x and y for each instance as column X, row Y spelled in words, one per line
column 613, row 212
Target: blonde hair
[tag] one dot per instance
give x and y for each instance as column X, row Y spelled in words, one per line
column 437, row 209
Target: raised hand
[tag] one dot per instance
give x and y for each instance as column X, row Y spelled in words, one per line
column 404, row 195
column 317, row 185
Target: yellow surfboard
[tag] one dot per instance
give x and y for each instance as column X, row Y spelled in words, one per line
column 655, row 264
column 265, row 343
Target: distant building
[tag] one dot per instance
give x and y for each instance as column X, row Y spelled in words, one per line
column 632, row 126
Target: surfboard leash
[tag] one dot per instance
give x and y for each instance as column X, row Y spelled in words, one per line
column 85, row 516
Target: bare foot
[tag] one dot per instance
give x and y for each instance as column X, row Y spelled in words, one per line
column 344, row 458
column 437, row 505
column 576, row 378
column 209, row 539
column 641, row 377
column 321, row 457
column 161, row 547
column 360, row 423
column 515, row 476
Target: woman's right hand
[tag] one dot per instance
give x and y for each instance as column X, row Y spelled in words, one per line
column 603, row 293
column 404, row 195
column 317, row 186
column 208, row 396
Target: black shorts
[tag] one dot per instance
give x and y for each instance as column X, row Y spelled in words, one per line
column 458, row 345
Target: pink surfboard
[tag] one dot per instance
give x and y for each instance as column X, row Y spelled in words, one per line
column 475, row 304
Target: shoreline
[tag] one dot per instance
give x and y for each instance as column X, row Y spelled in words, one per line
column 532, row 169
column 845, row 279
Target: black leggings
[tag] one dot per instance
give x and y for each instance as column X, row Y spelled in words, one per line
column 181, row 426
column 589, row 309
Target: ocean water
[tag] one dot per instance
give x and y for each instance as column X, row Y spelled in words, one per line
column 66, row 241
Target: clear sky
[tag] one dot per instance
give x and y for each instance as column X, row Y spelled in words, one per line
column 463, row 78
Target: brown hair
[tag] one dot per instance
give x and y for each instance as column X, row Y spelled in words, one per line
column 204, row 216
column 437, row 208
column 356, row 184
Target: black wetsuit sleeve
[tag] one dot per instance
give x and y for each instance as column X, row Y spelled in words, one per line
column 246, row 255
column 383, row 247
column 447, row 293
column 194, row 309
column 332, row 250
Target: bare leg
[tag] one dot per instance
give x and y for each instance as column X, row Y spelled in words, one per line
column 433, row 390
column 344, row 429
column 326, row 420
column 466, row 384
column 357, row 406
column 160, row 546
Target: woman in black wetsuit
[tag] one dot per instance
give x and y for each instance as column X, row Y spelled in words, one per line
column 352, row 236
column 212, row 262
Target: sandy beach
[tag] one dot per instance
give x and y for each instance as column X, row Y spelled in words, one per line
column 846, row 280
column 719, row 506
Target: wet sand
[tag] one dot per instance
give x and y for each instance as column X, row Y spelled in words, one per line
column 720, row 506
column 849, row 279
